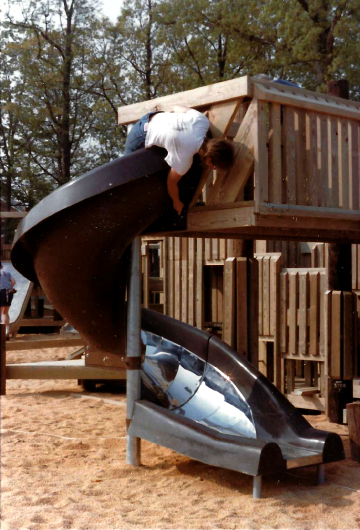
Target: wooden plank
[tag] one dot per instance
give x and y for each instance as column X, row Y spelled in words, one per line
column 219, row 219
column 307, row 402
column 195, row 98
column 184, row 279
column 146, row 274
column 322, row 159
column 12, row 215
column 275, row 319
column 222, row 249
column 290, row 376
column 311, row 137
column 290, row 154
column 261, row 182
column 303, row 305
column 230, row 184
column 215, row 248
column 253, row 298
column 177, row 278
column 333, row 163
column 344, row 188
column 36, row 342
column 242, row 321
column 304, row 99
column 262, row 363
column 171, row 276
column 266, row 295
column 274, row 277
column 62, row 370
column 200, row 283
column 275, row 175
column 335, row 347
column 229, row 301
column 192, row 283
column 323, row 287
column 300, row 148
column 314, row 316
column 261, row 295
column 348, row 339
column 293, row 305
column 284, row 300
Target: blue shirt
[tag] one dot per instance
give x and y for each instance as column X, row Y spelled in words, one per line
column 5, row 279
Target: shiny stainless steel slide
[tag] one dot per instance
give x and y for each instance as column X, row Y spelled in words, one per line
column 200, row 397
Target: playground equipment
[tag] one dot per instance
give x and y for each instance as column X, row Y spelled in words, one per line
column 203, row 399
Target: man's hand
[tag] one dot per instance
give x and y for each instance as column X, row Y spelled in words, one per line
column 173, row 189
column 178, row 206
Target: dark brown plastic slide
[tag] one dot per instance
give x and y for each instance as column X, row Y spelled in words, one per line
column 200, row 397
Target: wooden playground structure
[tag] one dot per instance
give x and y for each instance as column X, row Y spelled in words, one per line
column 295, row 180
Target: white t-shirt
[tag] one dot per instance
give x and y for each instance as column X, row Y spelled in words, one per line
column 180, row 133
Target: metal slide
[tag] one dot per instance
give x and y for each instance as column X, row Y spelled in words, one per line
column 201, row 398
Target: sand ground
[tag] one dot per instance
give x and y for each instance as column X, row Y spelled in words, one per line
column 63, row 466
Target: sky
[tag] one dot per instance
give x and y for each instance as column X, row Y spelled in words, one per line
column 111, row 8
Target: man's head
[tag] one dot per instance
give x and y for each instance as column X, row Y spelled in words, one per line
column 218, row 153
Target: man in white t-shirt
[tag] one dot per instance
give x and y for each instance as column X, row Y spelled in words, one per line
column 183, row 133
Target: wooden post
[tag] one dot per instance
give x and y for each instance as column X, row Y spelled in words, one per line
column 133, row 351
column 353, row 419
column 339, row 279
column 3, row 360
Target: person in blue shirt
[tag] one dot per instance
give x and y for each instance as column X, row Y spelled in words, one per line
column 7, row 284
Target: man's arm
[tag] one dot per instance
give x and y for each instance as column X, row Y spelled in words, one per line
column 13, row 282
column 180, row 109
column 173, row 189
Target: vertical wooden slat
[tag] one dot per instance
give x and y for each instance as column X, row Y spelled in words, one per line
column 293, row 305
column 229, row 301
column 171, row 276
column 146, row 275
column 284, row 297
column 333, row 162
column 184, row 279
column 214, row 294
column 260, row 156
column 354, row 165
column 220, row 297
column 290, row 150
column 303, row 311
column 300, row 147
column 335, row 347
column 208, row 248
column 222, row 249
column 165, row 274
column 199, row 283
column 273, row 300
column 322, row 146
column 314, row 280
column 275, row 320
column 253, row 288
column 261, row 294
column 275, row 176
column 290, row 376
column 215, row 248
column 343, row 164
column 177, row 278
column 311, row 151
column 192, row 272
column 326, row 374
column 323, row 287
column 242, row 322
column 262, row 363
column 348, row 343
column 266, row 295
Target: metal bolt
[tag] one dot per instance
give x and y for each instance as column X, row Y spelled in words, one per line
column 105, row 359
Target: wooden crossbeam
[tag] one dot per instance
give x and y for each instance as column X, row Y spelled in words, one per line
column 196, row 98
column 306, row 99
column 229, row 185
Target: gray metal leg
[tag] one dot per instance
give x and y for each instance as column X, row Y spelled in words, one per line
column 320, row 474
column 133, row 349
column 257, row 487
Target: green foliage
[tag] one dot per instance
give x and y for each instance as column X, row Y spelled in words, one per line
column 65, row 71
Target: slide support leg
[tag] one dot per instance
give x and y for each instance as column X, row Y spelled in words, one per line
column 133, row 349
column 320, row 474
column 257, row 487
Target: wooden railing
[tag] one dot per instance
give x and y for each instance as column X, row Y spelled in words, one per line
column 306, row 150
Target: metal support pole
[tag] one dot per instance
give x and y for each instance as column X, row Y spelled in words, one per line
column 320, row 474
column 133, row 350
column 257, row 487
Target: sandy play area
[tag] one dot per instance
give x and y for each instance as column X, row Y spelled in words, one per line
column 63, row 463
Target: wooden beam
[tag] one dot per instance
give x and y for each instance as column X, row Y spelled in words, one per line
column 196, row 98
column 12, row 215
column 229, row 185
column 2, row 359
column 305, row 99
column 61, row 370
column 219, row 219
column 35, row 342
